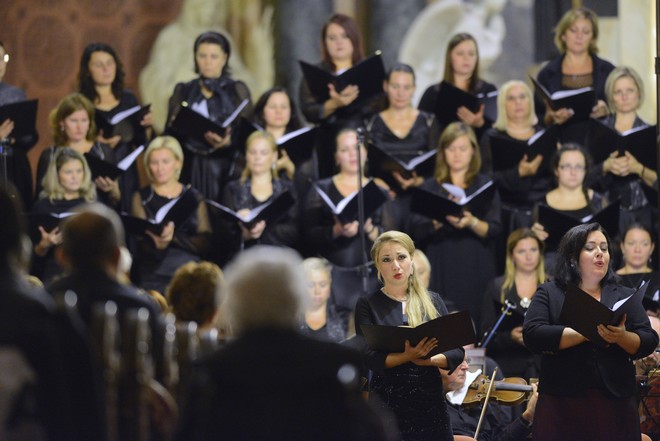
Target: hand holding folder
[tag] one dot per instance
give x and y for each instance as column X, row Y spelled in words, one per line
column 176, row 211
column 639, row 141
column 451, row 98
column 438, row 206
column 269, row 211
column 346, row 210
column 581, row 101
column 24, row 116
column 451, row 331
column 507, row 152
column 126, row 124
column 584, row 313
column 189, row 122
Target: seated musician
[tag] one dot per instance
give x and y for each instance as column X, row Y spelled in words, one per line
column 465, row 412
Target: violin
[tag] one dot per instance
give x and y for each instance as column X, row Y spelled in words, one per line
column 508, row 392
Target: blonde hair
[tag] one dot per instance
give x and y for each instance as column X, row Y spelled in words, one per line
column 452, row 132
column 68, row 105
column 510, row 268
column 163, row 142
column 570, row 17
column 259, row 134
column 420, row 307
column 618, row 73
column 52, row 188
column 502, row 117
column 317, row 264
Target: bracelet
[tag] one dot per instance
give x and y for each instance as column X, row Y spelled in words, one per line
column 370, row 231
column 474, row 222
column 641, row 175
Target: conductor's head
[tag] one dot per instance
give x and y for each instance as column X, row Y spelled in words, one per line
column 266, row 288
column 91, row 239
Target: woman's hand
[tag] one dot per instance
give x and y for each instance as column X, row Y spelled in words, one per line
column 559, row 116
column 422, row 349
column 217, row 141
column 465, row 221
column 529, row 168
column 413, row 181
column 6, row 128
column 617, row 165
column 48, row 240
column 112, row 141
column 109, row 186
column 147, row 119
column 163, row 240
column 475, row 120
column 345, row 97
column 613, row 334
column 285, row 163
column 600, row 110
column 346, row 230
column 540, row 231
column 251, row 233
column 517, row 336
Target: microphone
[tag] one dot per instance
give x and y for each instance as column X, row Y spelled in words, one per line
column 360, row 135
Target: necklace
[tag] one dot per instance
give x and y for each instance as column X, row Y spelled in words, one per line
column 525, row 301
column 405, row 299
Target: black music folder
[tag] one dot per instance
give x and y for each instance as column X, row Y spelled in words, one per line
column 557, row 223
column 177, row 211
column 507, row 152
column 299, row 144
column 582, row 101
column 583, row 313
column 190, row 122
column 24, row 115
column 437, row 206
column 368, row 75
column 48, row 221
column 450, row 98
column 101, row 167
column 452, row 331
column 269, row 211
column 639, row 141
column 346, row 210
column 125, row 123
column 382, row 164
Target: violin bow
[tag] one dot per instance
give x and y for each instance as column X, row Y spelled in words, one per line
column 483, row 409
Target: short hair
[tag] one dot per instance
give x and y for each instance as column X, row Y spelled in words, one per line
column 52, row 188
column 266, row 287
column 450, row 134
column 12, row 233
column 95, row 224
column 623, row 72
column 401, row 67
column 570, row 17
column 567, row 268
column 194, row 291
column 353, row 34
column 212, row 37
column 162, row 142
column 317, row 264
column 502, row 117
column 86, row 84
column 294, row 121
column 68, row 105
column 449, row 71
column 259, row 134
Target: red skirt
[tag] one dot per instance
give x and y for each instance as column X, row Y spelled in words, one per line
column 593, row 416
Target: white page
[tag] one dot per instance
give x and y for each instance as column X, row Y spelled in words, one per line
column 120, row 116
column 129, row 159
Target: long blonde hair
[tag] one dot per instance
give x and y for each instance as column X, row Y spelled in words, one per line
column 420, row 307
column 52, row 188
column 510, row 268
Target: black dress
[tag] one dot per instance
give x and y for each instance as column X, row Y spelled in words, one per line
column 413, row 393
column 283, row 231
column 514, row 359
column 634, row 205
column 190, row 242
column 335, row 328
column 207, row 169
column 129, row 181
column 462, row 263
column 422, row 137
column 18, row 166
column 429, row 101
column 344, row 253
column 552, row 78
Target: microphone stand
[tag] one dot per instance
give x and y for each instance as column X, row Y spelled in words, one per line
column 508, row 306
column 364, row 269
column 4, row 153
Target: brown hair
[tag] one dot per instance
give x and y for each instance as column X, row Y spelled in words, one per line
column 452, row 132
column 449, row 71
column 351, row 29
column 68, row 105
